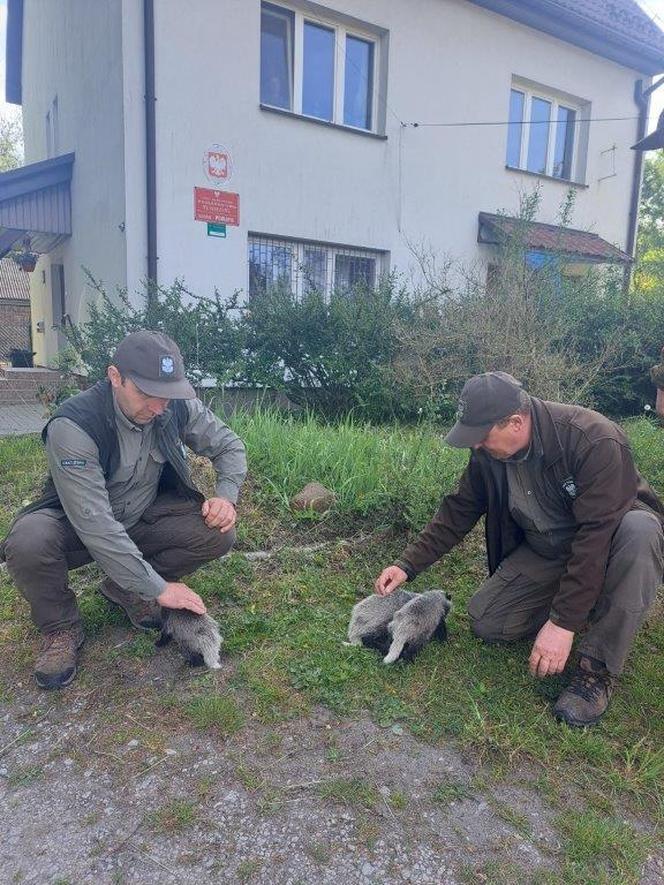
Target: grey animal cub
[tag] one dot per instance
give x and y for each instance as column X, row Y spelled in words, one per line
column 401, row 624
column 197, row 636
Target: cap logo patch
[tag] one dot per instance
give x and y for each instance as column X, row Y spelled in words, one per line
column 166, row 365
column 461, row 408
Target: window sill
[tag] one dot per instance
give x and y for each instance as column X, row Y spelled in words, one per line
column 283, row 113
column 563, row 181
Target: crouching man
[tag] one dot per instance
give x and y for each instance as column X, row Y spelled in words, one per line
column 120, row 492
column 573, row 534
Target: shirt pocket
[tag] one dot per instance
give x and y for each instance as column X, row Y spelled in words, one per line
column 157, row 455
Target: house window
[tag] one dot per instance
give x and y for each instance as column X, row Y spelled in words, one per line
column 277, row 56
column 545, row 134
column 303, row 267
column 318, row 68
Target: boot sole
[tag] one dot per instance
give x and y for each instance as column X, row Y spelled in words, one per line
column 47, row 685
column 576, row 723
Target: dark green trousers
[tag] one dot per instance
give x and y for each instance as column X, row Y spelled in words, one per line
column 43, row 547
column 516, row 600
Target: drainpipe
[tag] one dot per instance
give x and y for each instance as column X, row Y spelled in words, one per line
column 642, row 99
column 150, row 142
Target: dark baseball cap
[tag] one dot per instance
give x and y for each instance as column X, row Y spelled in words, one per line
column 154, row 363
column 485, row 400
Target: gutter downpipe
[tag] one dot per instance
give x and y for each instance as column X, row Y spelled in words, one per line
column 150, row 145
column 642, row 100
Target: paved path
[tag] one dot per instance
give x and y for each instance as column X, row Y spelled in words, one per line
column 21, row 419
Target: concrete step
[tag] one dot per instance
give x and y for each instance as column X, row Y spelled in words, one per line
column 37, row 374
column 22, row 385
column 18, row 397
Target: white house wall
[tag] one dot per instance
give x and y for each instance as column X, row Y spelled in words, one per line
column 72, row 49
column 449, row 60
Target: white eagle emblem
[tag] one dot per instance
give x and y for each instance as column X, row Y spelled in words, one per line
column 167, row 365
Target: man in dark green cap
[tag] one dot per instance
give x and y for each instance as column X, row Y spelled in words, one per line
column 573, row 533
column 119, row 492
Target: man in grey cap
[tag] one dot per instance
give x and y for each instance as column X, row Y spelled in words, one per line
column 573, row 534
column 119, row 492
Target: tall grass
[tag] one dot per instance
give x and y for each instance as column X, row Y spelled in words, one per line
column 646, row 437
column 397, row 471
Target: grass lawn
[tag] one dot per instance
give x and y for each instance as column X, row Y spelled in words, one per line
column 284, row 620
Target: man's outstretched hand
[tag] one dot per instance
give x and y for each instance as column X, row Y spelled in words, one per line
column 218, row 513
column 389, row 579
column 550, row 650
column 177, row 595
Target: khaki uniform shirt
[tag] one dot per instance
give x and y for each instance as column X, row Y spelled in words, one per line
column 548, row 526
column 101, row 511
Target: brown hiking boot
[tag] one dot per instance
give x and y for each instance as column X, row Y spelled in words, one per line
column 56, row 664
column 586, row 698
column 142, row 613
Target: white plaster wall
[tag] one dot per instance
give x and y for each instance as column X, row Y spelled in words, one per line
column 449, row 60
column 73, row 49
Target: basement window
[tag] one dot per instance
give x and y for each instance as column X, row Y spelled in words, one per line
column 303, row 266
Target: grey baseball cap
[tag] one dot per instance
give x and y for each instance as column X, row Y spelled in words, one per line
column 485, row 400
column 154, row 363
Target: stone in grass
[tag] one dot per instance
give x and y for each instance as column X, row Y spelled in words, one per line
column 313, row 496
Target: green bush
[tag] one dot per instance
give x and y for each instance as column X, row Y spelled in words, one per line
column 332, row 355
column 206, row 329
column 383, row 354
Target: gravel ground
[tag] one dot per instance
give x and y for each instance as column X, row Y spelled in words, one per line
column 88, row 794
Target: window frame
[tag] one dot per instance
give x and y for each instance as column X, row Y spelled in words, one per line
column 342, row 31
column 298, row 281
column 556, row 101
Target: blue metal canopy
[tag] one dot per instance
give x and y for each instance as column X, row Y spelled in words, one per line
column 35, row 204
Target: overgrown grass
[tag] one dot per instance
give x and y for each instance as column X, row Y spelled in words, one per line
column 284, row 624
column 395, row 471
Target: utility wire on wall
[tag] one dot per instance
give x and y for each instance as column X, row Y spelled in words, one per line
column 463, row 123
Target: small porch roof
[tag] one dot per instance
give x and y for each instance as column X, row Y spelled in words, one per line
column 35, row 202
column 579, row 245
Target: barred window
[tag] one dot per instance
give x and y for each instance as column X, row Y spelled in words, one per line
column 304, row 267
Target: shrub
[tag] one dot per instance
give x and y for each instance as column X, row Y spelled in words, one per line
column 384, row 353
column 206, row 329
column 333, row 356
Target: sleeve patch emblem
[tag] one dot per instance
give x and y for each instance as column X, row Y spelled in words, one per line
column 73, row 462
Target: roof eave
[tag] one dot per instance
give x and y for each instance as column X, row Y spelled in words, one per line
column 596, row 39
column 14, row 54
column 490, row 233
column 27, row 179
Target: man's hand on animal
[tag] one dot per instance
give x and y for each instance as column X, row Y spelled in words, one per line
column 177, row 595
column 218, row 513
column 550, row 650
column 120, row 492
column 571, row 527
column 389, row 579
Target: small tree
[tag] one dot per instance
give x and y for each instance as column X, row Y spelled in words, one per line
column 11, row 142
